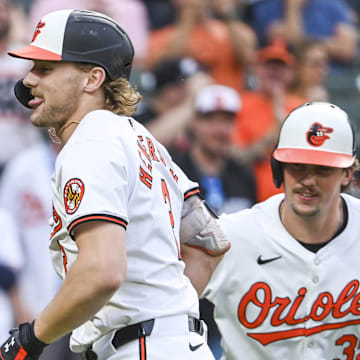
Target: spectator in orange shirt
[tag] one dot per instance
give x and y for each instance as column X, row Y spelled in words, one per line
column 262, row 113
column 225, row 47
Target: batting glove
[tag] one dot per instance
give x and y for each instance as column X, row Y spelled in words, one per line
column 22, row 344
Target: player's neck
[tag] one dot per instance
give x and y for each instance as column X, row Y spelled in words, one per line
column 66, row 130
column 315, row 229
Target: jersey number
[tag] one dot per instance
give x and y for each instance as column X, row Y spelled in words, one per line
column 351, row 344
column 167, row 201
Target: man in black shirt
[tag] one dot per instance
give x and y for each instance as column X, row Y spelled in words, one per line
column 227, row 186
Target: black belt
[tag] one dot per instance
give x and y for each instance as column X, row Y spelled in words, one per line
column 144, row 328
column 139, row 330
column 132, row 332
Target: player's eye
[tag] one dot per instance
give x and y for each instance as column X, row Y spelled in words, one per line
column 42, row 68
column 324, row 170
column 295, row 167
column 45, row 69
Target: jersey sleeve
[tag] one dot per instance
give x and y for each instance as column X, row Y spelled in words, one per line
column 94, row 184
column 187, row 186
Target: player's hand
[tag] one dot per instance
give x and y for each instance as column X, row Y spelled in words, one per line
column 22, row 344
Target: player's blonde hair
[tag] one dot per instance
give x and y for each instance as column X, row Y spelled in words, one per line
column 121, row 97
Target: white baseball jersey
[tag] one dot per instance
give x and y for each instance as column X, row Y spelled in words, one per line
column 25, row 192
column 112, row 169
column 274, row 299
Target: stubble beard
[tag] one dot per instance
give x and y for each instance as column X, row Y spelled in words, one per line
column 305, row 214
column 53, row 116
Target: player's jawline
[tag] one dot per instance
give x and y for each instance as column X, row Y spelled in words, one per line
column 267, row 338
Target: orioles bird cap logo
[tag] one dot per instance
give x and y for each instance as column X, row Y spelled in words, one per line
column 317, row 134
column 40, row 25
column 73, row 193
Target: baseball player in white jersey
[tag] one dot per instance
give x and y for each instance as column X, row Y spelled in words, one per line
column 289, row 286
column 117, row 205
column 11, row 263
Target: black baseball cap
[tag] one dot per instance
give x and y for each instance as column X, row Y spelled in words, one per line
column 173, row 71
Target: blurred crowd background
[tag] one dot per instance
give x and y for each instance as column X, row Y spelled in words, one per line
column 217, row 77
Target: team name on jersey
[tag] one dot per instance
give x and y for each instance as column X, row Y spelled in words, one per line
column 148, row 154
column 326, row 308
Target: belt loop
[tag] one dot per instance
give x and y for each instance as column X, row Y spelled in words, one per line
column 147, row 327
column 195, row 325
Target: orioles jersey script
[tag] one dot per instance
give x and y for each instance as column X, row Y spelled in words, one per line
column 274, row 299
column 112, row 169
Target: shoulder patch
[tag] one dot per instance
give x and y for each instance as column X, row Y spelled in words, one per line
column 73, row 193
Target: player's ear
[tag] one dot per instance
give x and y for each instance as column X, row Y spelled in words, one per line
column 348, row 176
column 95, row 78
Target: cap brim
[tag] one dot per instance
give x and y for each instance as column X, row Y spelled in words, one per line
column 267, row 55
column 35, row 53
column 313, row 157
column 281, row 59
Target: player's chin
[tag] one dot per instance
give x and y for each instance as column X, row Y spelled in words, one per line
column 39, row 118
column 36, row 120
column 305, row 210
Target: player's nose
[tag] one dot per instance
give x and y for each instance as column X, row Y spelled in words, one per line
column 30, row 80
column 308, row 177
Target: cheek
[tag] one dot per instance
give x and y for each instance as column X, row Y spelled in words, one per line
column 288, row 177
column 332, row 185
column 67, row 91
column 230, row 127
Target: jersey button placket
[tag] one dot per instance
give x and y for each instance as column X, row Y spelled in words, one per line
column 315, row 274
column 315, row 277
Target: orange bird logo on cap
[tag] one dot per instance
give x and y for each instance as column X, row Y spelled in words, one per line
column 37, row 30
column 316, row 136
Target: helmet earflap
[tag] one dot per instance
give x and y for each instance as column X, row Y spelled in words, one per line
column 22, row 93
column 277, row 172
column 276, row 166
